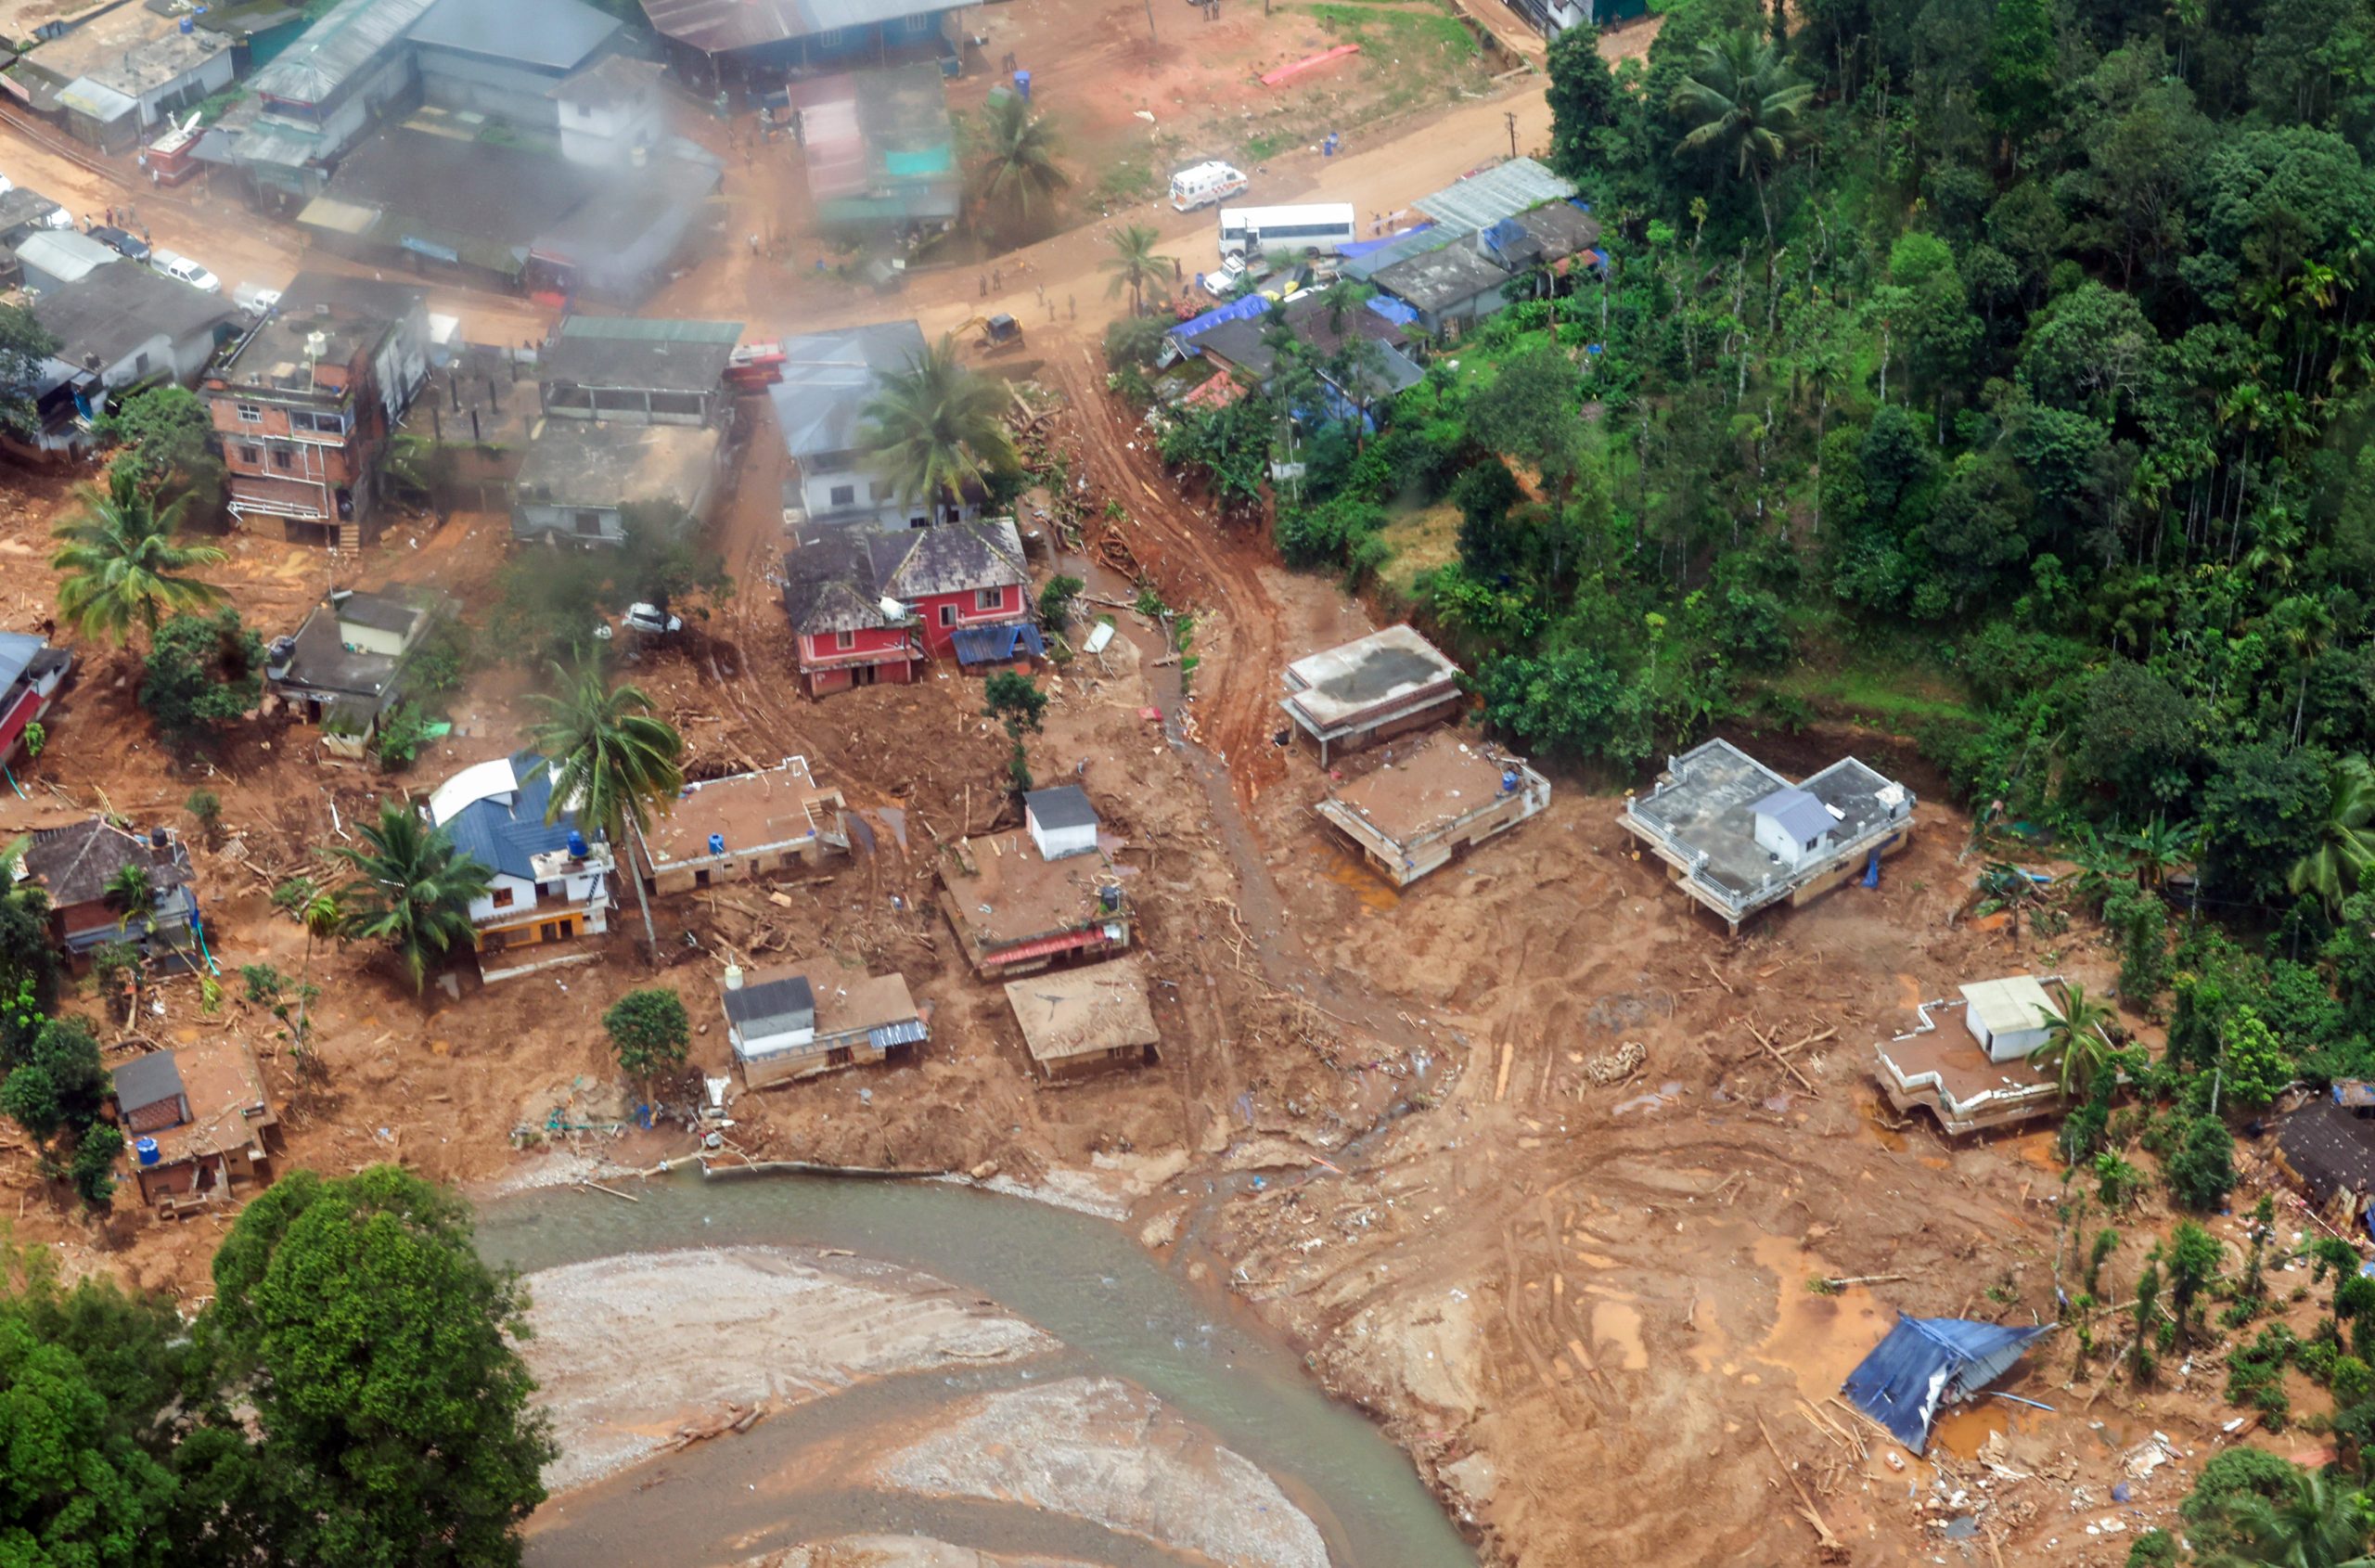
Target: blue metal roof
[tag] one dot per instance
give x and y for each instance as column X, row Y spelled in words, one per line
column 1926, row 1360
column 997, row 645
column 906, row 1033
column 1365, row 247
column 507, row 838
column 1188, row 331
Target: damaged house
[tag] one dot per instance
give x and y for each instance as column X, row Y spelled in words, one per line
column 1020, row 902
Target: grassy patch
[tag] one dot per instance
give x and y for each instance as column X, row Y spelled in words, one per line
column 1422, row 541
column 1402, row 38
column 1895, row 686
column 1127, row 182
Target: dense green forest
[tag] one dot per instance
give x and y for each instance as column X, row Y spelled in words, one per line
column 2004, row 378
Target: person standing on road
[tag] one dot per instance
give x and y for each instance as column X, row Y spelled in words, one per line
column 754, row 245
column 1071, row 309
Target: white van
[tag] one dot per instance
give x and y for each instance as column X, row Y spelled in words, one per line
column 1203, row 184
column 177, row 266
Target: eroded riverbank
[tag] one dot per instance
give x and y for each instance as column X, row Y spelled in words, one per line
column 997, row 1374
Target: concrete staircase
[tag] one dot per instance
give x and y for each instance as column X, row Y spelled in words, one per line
column 350, row 538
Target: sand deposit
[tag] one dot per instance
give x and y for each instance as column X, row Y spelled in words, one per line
column 625, row 1349
column 1107, row 1452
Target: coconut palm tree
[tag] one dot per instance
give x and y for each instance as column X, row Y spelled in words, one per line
column 2077, row 1036
column 131, row 892
column 936, row 428
column 412, row 890
column 1134, row 264
column 2005, row 889
column 1744, row 103
column 122, row 565
column 2314, row 1522
column 2345, row 851
column 1018, row 167
column 611, row 762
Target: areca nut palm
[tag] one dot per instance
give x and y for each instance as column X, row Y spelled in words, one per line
column 935, row 429
column 612, row 761
column 122, row 564
column 1019, row 167
column 1134, row 264
column 412, row 890
column 2345, row 855
column 1743, row 101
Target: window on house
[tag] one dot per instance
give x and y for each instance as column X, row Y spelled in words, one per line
column 252, row 453
column 140, row 366
column 249, row 412
column 844, row 640
column 1811, row 842
column 989, row 599
column 827, row 39
column 920, row 522
column 283, row 458
column 948, row 616
column 844, row 495
column 586, row 522
column 586, row 111
column 504, row 897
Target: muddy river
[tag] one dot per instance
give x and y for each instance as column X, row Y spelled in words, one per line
column 1171, row 1365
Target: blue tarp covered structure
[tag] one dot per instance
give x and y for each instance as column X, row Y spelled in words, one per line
column 1924, row 1363
column 1364, row 247
column 997, row 645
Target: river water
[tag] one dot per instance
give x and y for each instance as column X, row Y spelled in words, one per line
column 1117, row 1311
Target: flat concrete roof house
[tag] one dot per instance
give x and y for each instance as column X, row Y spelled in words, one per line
column 1021, row 902
column 1737, row 837
column 1429, row 801
column 1084, row 1022
column 741, row 826
column 1371, row 689
column 789, row 1023
column 1979, row 1075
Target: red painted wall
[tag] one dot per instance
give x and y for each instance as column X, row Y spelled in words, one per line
column 938, row 638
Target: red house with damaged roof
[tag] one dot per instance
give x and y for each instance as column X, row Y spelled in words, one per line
column 870, row 607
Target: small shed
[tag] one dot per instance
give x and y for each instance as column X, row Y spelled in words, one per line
column 149, row 1093
column 1063, row 821
column 1791, row 824
column 1085, row 1021
column 2010, row 1017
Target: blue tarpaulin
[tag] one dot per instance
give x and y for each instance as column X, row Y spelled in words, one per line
column 1188, row 331
column 997, row 645
column 1363, row 246
column 1391, row 308
column 1924, row 1363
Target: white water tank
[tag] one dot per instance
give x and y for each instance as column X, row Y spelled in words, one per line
column 734, row 977
column 316, row 344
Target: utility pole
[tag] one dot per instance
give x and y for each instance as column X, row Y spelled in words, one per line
column 1510, row 115
column 1150, row 22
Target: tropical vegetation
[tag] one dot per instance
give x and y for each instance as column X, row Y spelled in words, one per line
column 936, row 431
column 121, row 563
column 411, row 889
column 612, row 763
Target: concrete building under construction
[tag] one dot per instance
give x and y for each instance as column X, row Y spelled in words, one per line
column 1429, row 801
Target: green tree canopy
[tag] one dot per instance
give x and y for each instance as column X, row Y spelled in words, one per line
column 412, row 890
column 201, row 672
column 122, row 563
column 648, row 1033
column 936, row 431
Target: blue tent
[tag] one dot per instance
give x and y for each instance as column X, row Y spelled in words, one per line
column 1926, row 1362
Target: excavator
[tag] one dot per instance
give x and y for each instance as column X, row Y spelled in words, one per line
column 999, row 331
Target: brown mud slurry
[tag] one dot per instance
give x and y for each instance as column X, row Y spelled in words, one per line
column 1582, row 1308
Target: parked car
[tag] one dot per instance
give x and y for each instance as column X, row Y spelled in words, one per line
column 652, row 621
column 174, row 265
column 131, row 247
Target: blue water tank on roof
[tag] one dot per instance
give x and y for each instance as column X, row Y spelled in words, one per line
column 144, row 1151
column 577, row 844
column 1509, row 781
column 717, row 843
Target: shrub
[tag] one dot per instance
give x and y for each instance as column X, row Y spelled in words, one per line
column 2202, row 1170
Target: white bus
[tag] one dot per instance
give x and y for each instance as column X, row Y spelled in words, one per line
column 1287, row 231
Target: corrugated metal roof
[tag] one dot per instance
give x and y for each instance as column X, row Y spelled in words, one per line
column 884, row 1036
column 556, row 34
column 645, row 329
column 997, row 645
column 1923, row 1362
column 97, row 100
column 1483, row 200
column 345, row 217
column 827, row 377
column 713, row 26
column 327, row 54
